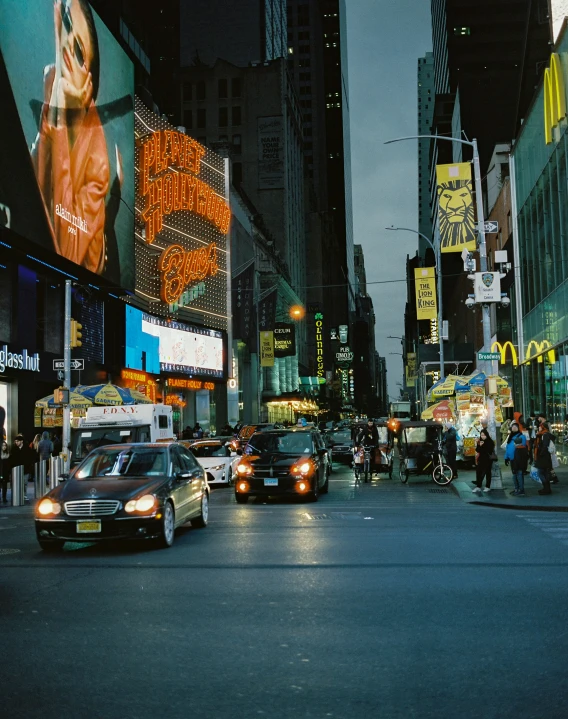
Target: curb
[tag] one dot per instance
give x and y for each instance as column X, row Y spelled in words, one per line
column 506, row 505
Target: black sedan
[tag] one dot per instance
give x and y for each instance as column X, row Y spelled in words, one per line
column 125, row 491
column 287, row 461
column 341, row 445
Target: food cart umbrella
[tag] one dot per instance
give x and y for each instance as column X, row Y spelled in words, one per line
column 105, row 394
column 76, row 401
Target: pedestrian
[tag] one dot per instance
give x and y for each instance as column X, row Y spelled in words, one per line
column 519, row 464
column 197, row 431
column 451, row 448
column 57, row 445
column 541, row 417
column 510, row 446
column 5, row 470
column 542, row 457
column 187, row 433
column 485, row 450
column 35, row 442
column 23, row 456
column 45, row 447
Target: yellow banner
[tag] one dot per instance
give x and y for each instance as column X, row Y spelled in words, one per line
column 456, row 215
column 411, row 369
column 426, row 306
column 267, row 349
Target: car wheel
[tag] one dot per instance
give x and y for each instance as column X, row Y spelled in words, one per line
column 313, row 496
column 51, row 545
column 167, row 535
column 241, row 498
column 325, row 488
column 201, row 520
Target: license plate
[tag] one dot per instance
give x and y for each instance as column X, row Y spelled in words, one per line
column 271, row 483
column 89, row 527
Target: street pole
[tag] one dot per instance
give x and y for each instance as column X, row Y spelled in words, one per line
column 66, row 434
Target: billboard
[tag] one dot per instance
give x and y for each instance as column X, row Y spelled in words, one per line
column 67, row 166
column 455, row 207
column 182, row 223
column 558, row 11
column 156, row 345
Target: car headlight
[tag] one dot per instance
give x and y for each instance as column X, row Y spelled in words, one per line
column 144, row 504
column 217, row 469
column 244, row 469
column 48, row 506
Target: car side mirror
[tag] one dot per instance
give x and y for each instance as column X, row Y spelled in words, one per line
column 322, row 452
column 63, row 477
column 239, row 452
column 183, row 476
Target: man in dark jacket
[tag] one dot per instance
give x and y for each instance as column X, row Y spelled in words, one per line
column 542, row 457
column 451, row 448
column 368, row 436
column 22, row 455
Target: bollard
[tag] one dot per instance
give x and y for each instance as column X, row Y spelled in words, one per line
column 55, row 469
column 18, row 487
column 40, row 478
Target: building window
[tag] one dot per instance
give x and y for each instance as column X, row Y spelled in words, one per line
column 200, row 88
column 222, row 87
column 236, row 87
column 237, row 173
column 188, row 119
column 237, row 142
column 201, row 117
column 236, row 115
column 187, row 91
column 223, row 116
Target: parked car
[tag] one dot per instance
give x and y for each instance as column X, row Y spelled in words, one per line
column 216, row 457
column 125, row 491
column 285, row 461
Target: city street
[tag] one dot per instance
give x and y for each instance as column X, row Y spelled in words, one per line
column 379, row 600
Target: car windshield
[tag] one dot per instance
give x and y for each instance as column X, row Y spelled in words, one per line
column 85, row 440
column 210, row 450
column 280, row 443
column 340, row 437
column 118, row 463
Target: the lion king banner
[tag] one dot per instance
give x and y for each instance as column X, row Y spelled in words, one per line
column 455, row 207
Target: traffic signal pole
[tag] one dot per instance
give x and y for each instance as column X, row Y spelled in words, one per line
column 67, row 370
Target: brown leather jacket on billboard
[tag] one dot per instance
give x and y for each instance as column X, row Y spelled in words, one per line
column 74, row 180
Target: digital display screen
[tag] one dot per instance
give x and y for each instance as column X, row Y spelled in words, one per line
column 155, row 345
column 67, row 161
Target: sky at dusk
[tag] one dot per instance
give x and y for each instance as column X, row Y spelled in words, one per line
column 385, row 39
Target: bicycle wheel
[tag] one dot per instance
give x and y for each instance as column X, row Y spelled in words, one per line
column 366, row 472
column 442, row 474
column 403, row 471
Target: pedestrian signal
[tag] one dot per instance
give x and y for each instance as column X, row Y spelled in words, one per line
column 76, row 333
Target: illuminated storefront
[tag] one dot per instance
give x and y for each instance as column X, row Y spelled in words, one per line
column 540, row 159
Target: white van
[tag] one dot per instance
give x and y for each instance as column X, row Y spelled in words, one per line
column 121, row 424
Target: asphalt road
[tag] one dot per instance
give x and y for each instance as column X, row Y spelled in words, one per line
column 380, row 600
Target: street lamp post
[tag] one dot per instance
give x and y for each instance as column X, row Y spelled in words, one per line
column 486, row 318
column 438, row 264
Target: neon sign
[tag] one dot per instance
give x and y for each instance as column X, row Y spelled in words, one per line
column 554, row 97
column 320, row 372
column 179, row 267
column 173, row 155
column 539, row 349
column 190, row 384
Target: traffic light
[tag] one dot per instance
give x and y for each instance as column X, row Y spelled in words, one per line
column 76, row 333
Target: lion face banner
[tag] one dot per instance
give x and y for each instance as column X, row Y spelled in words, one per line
column 455, row 207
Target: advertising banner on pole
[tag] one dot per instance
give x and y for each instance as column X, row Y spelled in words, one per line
column 267, row 348
column 284, row 339
column 426, row 305
column 411, row 369
column 456, row 215
column 243, row 306
column 267, row 311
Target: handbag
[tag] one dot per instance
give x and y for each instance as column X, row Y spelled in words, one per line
column 535, row 476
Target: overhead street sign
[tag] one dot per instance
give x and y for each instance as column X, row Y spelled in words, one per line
column 491, row 227
column 488, row 356
column 75, row 364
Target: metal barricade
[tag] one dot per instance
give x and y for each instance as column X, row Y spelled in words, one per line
column 55, row 469
column 40, row 478
column 18, row 487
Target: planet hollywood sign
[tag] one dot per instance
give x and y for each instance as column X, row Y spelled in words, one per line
column 183, row 220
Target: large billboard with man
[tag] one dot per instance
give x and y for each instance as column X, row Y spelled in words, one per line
column 66, row 172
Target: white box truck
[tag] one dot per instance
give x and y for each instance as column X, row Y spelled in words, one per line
column 121, row 424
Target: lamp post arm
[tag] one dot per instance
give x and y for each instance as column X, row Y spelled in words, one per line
column 431, row 137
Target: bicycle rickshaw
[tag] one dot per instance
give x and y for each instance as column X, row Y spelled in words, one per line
column 420, row 451
column 379, row 460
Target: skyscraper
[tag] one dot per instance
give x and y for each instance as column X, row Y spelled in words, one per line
column 426, row 100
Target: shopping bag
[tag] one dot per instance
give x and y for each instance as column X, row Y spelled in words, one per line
column 534, row 475
column 553, row 455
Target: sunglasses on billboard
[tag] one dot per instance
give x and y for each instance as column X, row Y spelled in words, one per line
column 68, row 25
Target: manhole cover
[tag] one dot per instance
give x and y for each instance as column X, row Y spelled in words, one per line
column 439, row 490
column 9, row 551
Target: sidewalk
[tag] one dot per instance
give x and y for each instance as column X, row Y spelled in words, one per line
column 555, row 502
